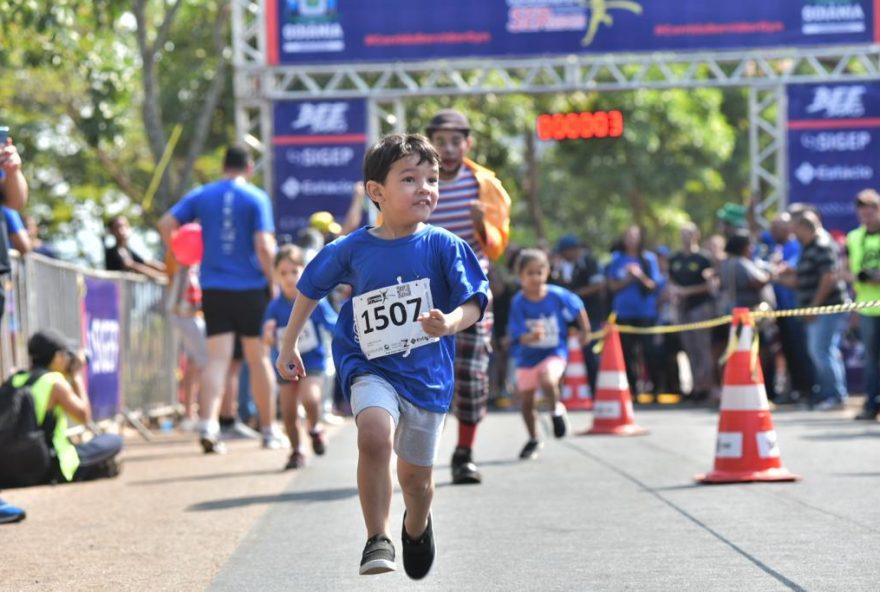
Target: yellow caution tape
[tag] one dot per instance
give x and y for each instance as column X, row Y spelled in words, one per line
column 726, row 319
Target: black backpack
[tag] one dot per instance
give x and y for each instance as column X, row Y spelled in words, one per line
column 26, row 451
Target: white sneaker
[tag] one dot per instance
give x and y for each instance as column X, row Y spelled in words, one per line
column 274, row 440
column 188, row 425
column 332, row 419
column 239, row 431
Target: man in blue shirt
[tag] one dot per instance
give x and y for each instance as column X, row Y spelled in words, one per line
column 779, row 247
column 236, row 278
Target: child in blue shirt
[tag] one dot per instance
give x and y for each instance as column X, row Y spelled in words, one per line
column 413, row 287
column 538, row 327
column 288, row 266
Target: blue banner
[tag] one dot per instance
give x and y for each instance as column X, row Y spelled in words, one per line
column 318, row 155
column 833, row 147
column 102, row 344
column 337, row 31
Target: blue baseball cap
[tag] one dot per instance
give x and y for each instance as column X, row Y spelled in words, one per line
column 569, row 241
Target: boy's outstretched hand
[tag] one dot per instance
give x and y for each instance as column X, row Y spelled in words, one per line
column 437, row 324
column 290, row 365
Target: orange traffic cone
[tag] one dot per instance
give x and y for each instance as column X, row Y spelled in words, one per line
column 576, row 395
column 746, row 449
column 613, row 408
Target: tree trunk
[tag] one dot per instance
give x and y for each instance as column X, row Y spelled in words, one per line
column 203, row 122
column 531, row 189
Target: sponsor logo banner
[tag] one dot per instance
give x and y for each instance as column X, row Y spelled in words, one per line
column 104, row 375
column 318, row 153
column 833, row 147
column 316, row 31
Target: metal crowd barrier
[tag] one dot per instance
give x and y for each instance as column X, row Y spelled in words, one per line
column 43, row 292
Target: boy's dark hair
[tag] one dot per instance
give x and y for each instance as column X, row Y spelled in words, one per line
column 527, row 256
column 389, row 149
column 236, row 158
column 289, row 253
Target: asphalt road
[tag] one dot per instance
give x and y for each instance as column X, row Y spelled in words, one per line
column 591, row 513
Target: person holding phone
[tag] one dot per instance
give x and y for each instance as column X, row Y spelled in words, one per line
column 13, row 194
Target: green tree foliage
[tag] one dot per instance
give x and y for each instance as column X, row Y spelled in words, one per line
column 72, row 92
column 683, row 153
column 93, row 90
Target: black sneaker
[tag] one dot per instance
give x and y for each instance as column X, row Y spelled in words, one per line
column 464, row 471
column 212, row 444
column 559, row 425
column 296, row 461
column 418, row 554
column 867, row 415
column 319, row 442
column 530, row 450
column 378, row 556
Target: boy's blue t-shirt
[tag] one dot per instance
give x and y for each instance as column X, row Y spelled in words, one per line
column 230, row 212
column 314, row 355
column 632, row 302
column 556, row 310
column 422, row 375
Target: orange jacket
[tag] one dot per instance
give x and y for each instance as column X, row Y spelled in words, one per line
column 496, row 218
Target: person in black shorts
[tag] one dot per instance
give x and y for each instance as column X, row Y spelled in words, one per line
column 238, row 236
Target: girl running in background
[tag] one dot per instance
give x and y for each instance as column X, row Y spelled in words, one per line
column 289, row 263
column 538, row 327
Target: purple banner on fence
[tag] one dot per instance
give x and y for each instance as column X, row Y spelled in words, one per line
column 102, row 344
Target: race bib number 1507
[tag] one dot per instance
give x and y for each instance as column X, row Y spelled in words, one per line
column 387, row 318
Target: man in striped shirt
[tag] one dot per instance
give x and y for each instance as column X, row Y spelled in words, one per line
column 473, row 205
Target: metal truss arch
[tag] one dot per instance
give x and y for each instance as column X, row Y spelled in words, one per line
column 765, row 72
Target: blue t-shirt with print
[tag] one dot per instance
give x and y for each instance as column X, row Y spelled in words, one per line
column 422, row 375
column 634, row 302
column 555, row 310
column 230, row 212
column 323, row 318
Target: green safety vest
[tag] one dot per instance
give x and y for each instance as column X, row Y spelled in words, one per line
column 864, row 252
column 68, row 460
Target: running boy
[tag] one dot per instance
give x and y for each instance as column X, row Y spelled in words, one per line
column 413, row 287
column 289, row 263
column 538, row 326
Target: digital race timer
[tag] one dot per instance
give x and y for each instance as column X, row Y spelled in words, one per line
column 580, row 126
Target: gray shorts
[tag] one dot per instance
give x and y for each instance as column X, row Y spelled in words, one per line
column 417, row 431
column 192, row 338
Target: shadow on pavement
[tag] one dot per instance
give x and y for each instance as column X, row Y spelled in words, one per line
column 841, row 435
column 210, row 477
column 321, row 495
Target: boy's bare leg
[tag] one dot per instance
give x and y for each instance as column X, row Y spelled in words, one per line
column 310, row 395
column 417, row 485
column 375, row 429
column 290, row 412
column 550, row 388
column 262, row 379
column 528, row 412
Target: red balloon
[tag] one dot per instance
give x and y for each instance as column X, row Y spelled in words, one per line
column 186, row 244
